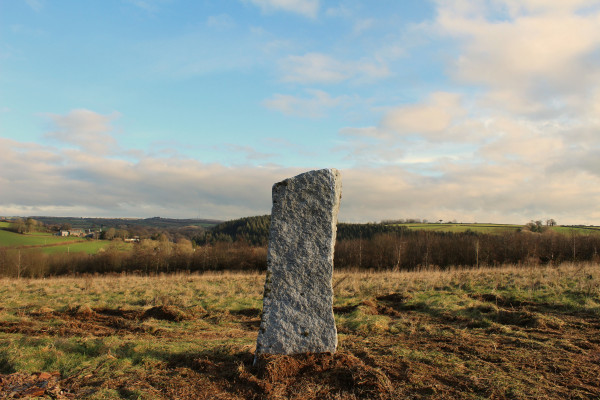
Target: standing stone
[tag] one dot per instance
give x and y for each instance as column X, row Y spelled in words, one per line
column 298, row 299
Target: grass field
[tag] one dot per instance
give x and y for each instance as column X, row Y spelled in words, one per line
column 86, row 246
column 11, row 239
column 51, row 244
column 496, row 228
column 456, row 228
column 505, row 333
column 567, row 230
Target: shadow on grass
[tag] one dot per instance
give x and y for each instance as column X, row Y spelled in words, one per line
column 485, row 312
column 6, row 367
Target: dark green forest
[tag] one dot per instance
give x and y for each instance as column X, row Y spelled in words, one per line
column 255, row 231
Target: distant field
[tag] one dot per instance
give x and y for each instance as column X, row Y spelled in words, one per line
column 11, row 239
column 96, row 223
column 496, row 228
column 456, row 228
column 87, row 246
column 50, row 244
column 588, row 230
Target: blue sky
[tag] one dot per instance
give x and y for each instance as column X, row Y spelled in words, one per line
column 479, row 111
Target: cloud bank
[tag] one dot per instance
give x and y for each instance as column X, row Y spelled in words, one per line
column 40, row 179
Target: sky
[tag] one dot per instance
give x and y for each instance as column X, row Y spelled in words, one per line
column 466, row 110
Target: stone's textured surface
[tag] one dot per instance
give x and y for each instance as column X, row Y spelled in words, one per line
column 298, row 299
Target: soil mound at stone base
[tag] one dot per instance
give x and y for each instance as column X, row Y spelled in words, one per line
column 300, row 375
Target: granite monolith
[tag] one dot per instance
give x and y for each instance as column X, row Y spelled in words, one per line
column 298, row 297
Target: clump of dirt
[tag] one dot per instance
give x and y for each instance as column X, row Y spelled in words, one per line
column 369, row 307
column 197, row 310
column 318, row 376
column 166, row 313
column 42, row 311
column 24, row 386
column 83, row 310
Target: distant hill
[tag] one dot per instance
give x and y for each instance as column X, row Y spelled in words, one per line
column 125, row 223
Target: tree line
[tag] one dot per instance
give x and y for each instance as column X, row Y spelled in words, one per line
column 242, row 245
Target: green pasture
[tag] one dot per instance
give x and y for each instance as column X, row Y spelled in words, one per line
column 4, row 225
column 87, row 246
column 50, row 244
column 11, row 239
column 457, row 228
column 497, row 228
column 579, row 230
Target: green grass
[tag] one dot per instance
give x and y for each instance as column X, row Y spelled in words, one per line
column 11, row 239
column 567, row 230
column 457, row 228
column 51, row 244
column 87, row 246
column 495, row 228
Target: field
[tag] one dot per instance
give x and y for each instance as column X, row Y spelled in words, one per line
column 496, row 228
column 504, row 333
column 577, row 230
column 455, row 228
column 51, row 244
column 11, row 239
column 86, row 246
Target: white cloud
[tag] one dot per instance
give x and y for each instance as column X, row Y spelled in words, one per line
column 308, row 8
column 367, row 131
column 484, row 194
column 221, row 21
column 150, row 6
column 36, row 5
column 363, row 25
column 518, row 7
column 340, row 11
column 85, row 129
column 322, row 68
column 529, row 143
column 540, row 53
column 440, row 118
column 431, row 118
column 522, row 145
column 59, row 181
column 53, row 181
column 314, row 106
